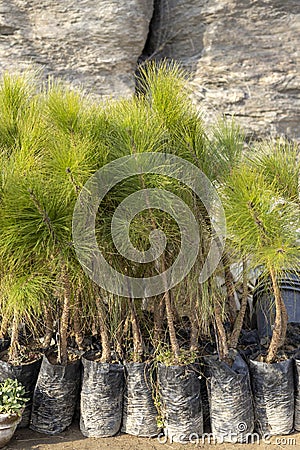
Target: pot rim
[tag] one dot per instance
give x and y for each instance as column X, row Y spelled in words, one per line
column 4, row 416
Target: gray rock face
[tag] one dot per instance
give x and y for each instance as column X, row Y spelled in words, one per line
column 243, row 55
column 95, row 43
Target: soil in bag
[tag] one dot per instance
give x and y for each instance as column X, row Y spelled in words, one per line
column 4, row 344
column 273, row 393
column 230, row 399
column 180, row 395
column 101, row 400
column 55, row 396
column 139, row 411
column 27, row 375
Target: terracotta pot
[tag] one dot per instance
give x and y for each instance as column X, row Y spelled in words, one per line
column 8, row 425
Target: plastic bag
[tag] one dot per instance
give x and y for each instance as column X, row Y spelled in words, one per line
column 27, row 375
column 231, row 407
column 101, row 400
column 55, row 397
column 273, row 393
column 297, row 394
column 139, row 413
column 205, row 403
column 180, row 393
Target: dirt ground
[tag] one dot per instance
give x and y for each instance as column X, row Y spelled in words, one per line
column 72, row 439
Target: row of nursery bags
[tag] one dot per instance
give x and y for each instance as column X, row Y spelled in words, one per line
column 242, row 398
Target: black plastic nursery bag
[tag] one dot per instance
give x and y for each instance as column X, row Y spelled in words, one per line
column 231, row 407
column 273, row 392
column 180, row 393
column 205, row 404
column 297, row 394
column 101, row 401
column 27, row 375
column 139, row 412
column 55, row 397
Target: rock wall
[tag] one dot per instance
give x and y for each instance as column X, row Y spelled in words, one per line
column 94, row 43
column 243, row 54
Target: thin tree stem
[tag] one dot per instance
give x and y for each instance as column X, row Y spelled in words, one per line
column 194, row 325
column 64, row 321
column 14, row 343
column 170, row 318
column 79, row 337
column 158, row 318
column 105, row 341
column 229, row 283
column 48, row 326
column 172, row 332
column 122, row 330
column 222, row 338
column 4, row 325
column 285, row 319
column 280, row 325
column 136, row 333
column 238, row 325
